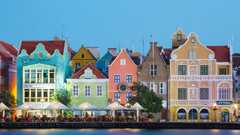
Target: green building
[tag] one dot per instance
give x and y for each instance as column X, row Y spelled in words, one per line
column 88, row 85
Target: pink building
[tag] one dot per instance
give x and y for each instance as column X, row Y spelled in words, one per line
column 122, row 75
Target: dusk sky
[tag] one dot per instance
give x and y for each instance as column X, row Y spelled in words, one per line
column 120, row 23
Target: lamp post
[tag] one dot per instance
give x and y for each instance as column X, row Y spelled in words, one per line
column 215, row 109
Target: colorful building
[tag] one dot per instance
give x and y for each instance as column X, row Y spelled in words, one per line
column 105, row 60
column 82, row 58
column 8, row 54
column 201, row 83
column 122, row 74
column 88, row 85
column 154, row 73
column 236, row 76
column 42, row 69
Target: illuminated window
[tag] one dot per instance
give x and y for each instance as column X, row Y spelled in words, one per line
column 116, row 78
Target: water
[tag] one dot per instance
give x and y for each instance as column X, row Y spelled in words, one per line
column 117, row 132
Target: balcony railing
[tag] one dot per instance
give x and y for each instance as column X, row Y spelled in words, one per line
column 200, row 77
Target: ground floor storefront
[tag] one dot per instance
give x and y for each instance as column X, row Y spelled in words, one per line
column 203, row 114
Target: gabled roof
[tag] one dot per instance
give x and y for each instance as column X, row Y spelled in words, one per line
column 10, row 48
column 222, row 53
column 7, row 51
column 166, row 53
column 94, row 51
column 50, row 46
column 95, row 71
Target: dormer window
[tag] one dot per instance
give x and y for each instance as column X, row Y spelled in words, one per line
column 82, row 56
column 122, row 61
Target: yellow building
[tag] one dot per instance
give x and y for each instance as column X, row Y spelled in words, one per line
column 82, row 58
column 201, row 83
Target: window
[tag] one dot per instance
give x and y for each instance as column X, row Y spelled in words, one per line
column 26, row 95
column 128, row 95
column 222, row 71
column 39, row 95
column 161, row 88
column 224, row 94
column 129, row 78
column 51, row 75
column 122, row 62
column 152, row 86
column 99, row 90
column 203, row 69
column 77, row 66
column 33, row 76
column 75, row 91
column 182, row 69
column 45, row 95
column 153, row 70
column 116, row 78
column 204, row 93
column 182, row 93
column 82, row 56
column 27, row 76
column 39, row 76
column 116, row 96
column 87, row 91
column 33, row 95
column 45, row 76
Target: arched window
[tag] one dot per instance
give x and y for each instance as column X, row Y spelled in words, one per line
column 193, row 114
column 204, row 114
column 181, row 114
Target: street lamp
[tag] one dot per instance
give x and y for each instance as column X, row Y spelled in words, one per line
column 215, row 109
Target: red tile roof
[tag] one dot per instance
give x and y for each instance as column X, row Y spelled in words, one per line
column 236, row 60
column 50, row 46
column 222, row 53
column 10, row 48
column 7, row 51
column 96, row 72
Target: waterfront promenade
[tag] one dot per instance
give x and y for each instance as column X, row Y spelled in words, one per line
column 119, row 125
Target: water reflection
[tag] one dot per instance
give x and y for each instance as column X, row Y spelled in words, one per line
column 126, row 131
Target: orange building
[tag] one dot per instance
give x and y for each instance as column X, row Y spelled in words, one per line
column 122, row 75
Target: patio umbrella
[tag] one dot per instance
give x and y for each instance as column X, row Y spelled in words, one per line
column 56, row 106
column 115, row 106
column 87, row 106
column 25, row 106
column 3, row 107
column 137, row 107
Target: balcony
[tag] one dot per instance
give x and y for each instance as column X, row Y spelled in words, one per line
column 201, row 77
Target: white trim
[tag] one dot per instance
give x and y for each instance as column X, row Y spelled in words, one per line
column 122, row 51
column 87, row 80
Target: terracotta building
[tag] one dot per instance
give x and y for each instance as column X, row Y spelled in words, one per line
column 122, row 74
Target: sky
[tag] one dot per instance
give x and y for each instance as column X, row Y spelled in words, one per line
column 120, row 23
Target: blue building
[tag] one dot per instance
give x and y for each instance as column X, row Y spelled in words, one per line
column 105, row 60
column 42, row 69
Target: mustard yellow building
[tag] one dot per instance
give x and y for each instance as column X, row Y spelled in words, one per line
column 200, row 83
column 82, row 58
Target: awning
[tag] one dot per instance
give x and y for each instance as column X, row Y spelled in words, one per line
column 115, row 106
column 42, row 106
column 3, row 106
